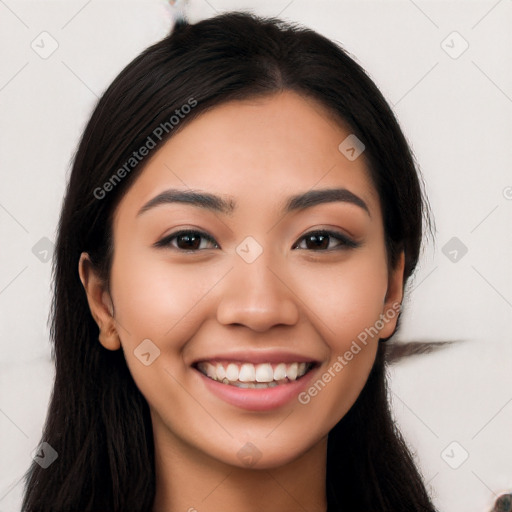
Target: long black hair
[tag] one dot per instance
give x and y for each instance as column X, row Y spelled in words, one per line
column 98, row 421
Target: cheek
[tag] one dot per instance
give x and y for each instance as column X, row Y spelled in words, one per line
column 161, row 302
column 348, row 302
column 346, row 298
column 153, row 298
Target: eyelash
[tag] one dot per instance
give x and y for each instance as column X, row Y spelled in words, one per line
column 345, row 242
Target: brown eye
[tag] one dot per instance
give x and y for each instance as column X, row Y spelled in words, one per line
column 321, row 241
column 187, row 241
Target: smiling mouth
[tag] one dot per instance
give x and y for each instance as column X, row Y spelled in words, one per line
column 257, row 376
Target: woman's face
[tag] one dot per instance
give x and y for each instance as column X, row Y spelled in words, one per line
column 253, row 294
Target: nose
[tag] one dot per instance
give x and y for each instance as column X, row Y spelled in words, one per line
column 257, row 295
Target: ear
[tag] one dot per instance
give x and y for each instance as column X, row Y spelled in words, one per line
column 394, row 297
column 100, row 303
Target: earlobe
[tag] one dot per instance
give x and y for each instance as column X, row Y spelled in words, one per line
column 100, row 303
column 394, row 297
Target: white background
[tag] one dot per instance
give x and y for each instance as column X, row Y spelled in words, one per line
column 457, row 115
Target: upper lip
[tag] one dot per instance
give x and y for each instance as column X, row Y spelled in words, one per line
column 258, row 357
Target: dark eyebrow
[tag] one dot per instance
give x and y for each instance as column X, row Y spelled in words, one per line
column 328, row 195
column 228, row 205
column 200, row 199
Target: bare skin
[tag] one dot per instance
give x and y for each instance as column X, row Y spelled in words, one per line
column 299, row 297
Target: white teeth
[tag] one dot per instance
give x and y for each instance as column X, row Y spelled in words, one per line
column 232, row 372
column 280, row 372
column 291, row 371
column 220, row 371
column 264, row 373
column 210, row 371
column 248, row 375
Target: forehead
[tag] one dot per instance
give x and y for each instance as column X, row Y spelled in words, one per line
column 258, row 151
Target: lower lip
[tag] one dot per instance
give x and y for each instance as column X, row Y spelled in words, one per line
column 263, row 399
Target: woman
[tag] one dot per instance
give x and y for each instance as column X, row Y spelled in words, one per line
column 241, row 219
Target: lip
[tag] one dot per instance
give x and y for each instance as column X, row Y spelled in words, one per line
column 265, row 399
